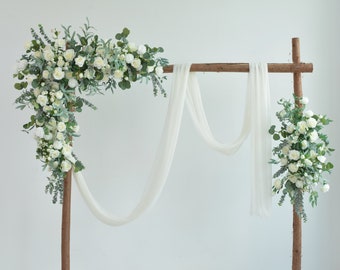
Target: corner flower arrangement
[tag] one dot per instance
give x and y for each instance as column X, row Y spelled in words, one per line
column 301, row 153
column 53, row 74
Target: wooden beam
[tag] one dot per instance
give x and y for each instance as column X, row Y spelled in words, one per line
column 244, row 67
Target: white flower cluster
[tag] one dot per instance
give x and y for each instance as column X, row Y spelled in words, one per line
column 52, row 71
column 301, row 153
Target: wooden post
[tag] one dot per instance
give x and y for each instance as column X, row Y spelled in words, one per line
column 297, row 226
column 66, row 223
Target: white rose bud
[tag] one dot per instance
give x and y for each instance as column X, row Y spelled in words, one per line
column 159, row 70
column 277, row 184
column 304, row 100
column 141, row 49
column 325, row 188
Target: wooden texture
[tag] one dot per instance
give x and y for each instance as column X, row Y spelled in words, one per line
column 66, row 223
column 244, row 67
column 297, row 226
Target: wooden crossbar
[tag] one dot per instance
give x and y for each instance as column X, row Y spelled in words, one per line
column 244, row 67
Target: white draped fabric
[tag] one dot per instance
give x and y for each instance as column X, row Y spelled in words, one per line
column 256, row 118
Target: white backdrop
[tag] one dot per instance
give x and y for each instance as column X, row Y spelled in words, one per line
column 202, row 219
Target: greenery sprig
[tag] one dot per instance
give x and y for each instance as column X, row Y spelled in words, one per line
column 301, row 154
column 53, row 73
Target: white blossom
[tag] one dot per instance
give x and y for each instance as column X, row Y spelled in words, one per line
column 308, row 113
column 57, row 144
column 42, row 100
column 48, row 54
column 58, row 73
column 118, row 74
column 302, row 127
column 304, row 100
column 46, row 74
column 129, row 58
column 314, row 136
column 99, row 62
column 304, row 144
column 72, row 83
column 159, row 70
column 136, row 63
column 22, row 64
column 61, row 126
column 59, row 95
column 141, row 49
column 80, row 60
column 292, row 167
column 322, row 159
column 132, row 47
column 299, row 184
column 294, row 155
column 311, row 122
column 278, row 184
column 325, row 188
column 66, row 166
column 39, row 132
column 308, row 162
column 69, row 55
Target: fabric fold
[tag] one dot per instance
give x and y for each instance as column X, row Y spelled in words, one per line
column 162, row 161
column 256, row 120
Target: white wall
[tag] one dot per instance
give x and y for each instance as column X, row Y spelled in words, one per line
column 202, row 219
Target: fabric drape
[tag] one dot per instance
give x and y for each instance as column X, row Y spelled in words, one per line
column 256, row 119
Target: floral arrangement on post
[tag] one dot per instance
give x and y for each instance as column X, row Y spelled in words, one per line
column 54, row 72
column 301, row 154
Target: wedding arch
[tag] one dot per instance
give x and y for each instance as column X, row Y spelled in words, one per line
column 51, row 71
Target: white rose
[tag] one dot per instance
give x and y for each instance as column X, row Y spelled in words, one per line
column 89, row 74
column 302, row 127
column 129, row 58
column 59, row 95
column 42, row 100
column 136, row 63
column 304, row 100
column 69, row 55
column 322, row 159
column 292, row 178
column 80, row 60
column 72, row 83
column 285, row 149
column 308, row 162
column 314, row 136
column 66, row 166
column 294, row 155
column 150, row 69
column 299, row 184
column 311, row 122
column 118, row 74
column 37, row 54
column 58, row 73
column 57, row 144
column 30, row 78
column 141, row 49
column 312, row 154
column 48, row 54
column 304, row 144
column 290, row 128
column 22, row 64
column 45, row 74
column 61, row 43
column 292, row 167
column 277, row 184
column 99, row 62
column 67, row 150
column 54, row 154
column 36, row 91
column 39, row 132
column 308, row 113
column 283, row 161
column 325, row 188
column 60, row 136
column 100, row 51
column 28, row 45
column 159, row 70
column 61, row 126
column 60, row 62
column 132, row 47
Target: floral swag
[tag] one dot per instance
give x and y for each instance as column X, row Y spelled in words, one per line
column 301, row 154
column 54, row 72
